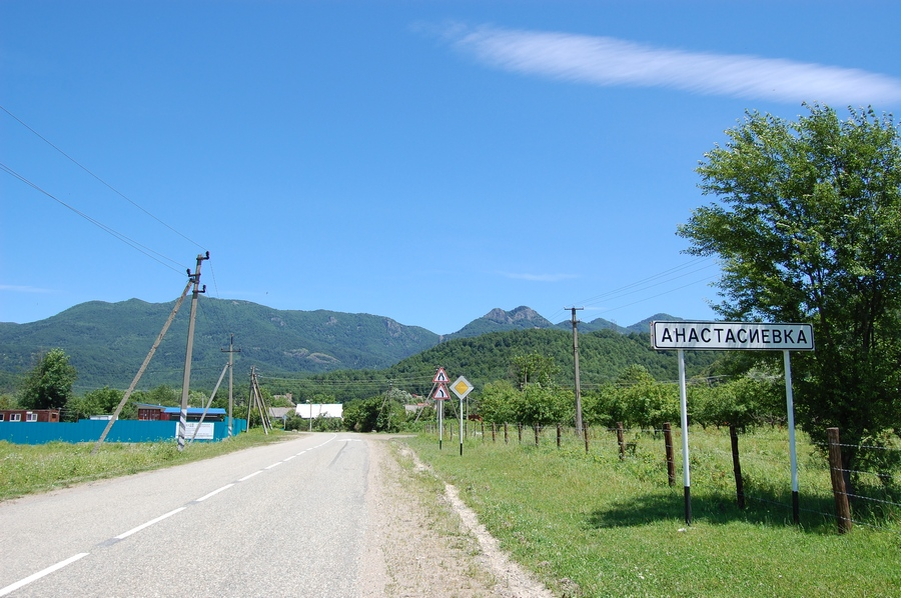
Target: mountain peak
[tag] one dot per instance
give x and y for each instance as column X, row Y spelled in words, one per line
column 516, row 316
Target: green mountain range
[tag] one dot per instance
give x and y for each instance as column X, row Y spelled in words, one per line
column 107, row 342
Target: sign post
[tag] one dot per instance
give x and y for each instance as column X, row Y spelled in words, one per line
column 439, row 395
column 734, row 336
column 461, row 388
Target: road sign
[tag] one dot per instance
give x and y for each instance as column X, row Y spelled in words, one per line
column 441, row 393
column 461, row 387
column 440, row 377
column 731, row 336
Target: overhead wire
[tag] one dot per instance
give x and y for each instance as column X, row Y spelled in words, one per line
column 666, row 276
column 107, row 185
column 154, row 255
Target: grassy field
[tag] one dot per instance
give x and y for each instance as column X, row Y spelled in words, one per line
column 28, row 469
column 595, row 525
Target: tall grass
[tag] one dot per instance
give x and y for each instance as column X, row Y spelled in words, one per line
column 27, row 469
column 595, row 525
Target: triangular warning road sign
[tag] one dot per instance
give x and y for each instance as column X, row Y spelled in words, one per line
column 441, row 393
column 440, row 377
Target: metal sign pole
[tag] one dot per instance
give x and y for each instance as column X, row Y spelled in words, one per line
column 790, row 406
column 686, row 474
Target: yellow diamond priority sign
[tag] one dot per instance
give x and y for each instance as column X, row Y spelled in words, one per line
column 461, row 387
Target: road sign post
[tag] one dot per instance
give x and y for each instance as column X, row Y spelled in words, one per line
column 461, row 388
column 440, row 395
column 734, row 336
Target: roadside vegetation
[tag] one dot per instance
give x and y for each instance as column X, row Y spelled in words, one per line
column 592, row 524
column 30, row 469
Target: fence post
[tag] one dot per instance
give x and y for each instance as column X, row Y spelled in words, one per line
column 842, row 510
column 736, row 466
column 519, row 431
column 558, row 435
column 493, row 432
column 585, row 431
column 506, row 435
column 619, row 439
column 483, row 430
column 670, row 457
column 536, row 434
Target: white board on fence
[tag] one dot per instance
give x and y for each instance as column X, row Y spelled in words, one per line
column 206, row 431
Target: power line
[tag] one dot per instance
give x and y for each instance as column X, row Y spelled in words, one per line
column 120, row 236
column 107, row 185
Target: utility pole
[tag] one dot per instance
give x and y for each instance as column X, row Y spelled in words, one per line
column 186, row 381
column 576, row 365
column 231, row 351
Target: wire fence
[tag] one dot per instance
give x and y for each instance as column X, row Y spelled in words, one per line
column 752, row 465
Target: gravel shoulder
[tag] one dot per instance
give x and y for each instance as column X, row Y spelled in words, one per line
column 422, row 540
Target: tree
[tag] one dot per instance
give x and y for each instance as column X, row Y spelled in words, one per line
column 809, row 230
column 49, row 384
column 534, row 368
column 496, row 402
column 102, row 401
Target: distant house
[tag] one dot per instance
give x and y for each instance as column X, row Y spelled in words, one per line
column 162, row 413
column 280, row 412
column 314, row 410
column 29, row 415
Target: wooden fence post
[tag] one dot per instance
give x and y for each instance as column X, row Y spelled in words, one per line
column 842, row 509
column 559, row 432
column 619, row 439
column 670, row 457
column 519, row 431
column 585, row 431
column 736, row 466
column 536, row 434
column 506, row 435
column 493, row 432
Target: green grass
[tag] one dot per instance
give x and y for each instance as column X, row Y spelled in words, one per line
column 595, row 525
column 29, row 469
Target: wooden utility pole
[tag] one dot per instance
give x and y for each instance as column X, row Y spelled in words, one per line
column 231, row 370
column 576, row 366
column 186, row 381
column 143, row 367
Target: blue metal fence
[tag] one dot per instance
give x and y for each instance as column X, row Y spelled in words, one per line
column 124, row 430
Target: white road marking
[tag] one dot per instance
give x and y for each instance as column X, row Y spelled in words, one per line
column 36, row 576
column 274, row 465
column 149, row 523
column 214, row 493
column 247, row 477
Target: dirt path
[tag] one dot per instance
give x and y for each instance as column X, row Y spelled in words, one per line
column 422, row 540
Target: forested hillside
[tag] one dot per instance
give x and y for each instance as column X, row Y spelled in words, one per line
column 603, row 355
column 107, row 342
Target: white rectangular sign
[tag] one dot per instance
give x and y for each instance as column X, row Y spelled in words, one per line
column 206, row 431
column 731, row 336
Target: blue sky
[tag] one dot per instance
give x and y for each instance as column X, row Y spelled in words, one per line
column 422, row 160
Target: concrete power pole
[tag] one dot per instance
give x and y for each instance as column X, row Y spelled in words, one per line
column 231, row 351
column 576, row 365
column 186, row 381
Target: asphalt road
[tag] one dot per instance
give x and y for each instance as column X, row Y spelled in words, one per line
column 281, row 520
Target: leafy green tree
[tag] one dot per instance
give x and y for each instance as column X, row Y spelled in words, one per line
column 496, row 402
column 534, row 368
column 808, row 229
column 101, row 401
column 49, row 384
column 375, row 414
column 539, row 405
column 746, row 401
column 644, row 402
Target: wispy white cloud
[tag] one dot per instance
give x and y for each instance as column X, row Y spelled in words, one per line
column 23, row 289
column 606, row 61
column 538, row 277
